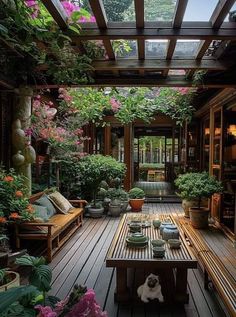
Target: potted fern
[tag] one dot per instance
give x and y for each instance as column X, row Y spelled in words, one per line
column 136, row 199
column 197, row 187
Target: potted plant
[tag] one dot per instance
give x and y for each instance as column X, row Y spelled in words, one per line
column 182, row 185
column 93, row 169
column 197, row 187
column 136, row 199
column 8, row 279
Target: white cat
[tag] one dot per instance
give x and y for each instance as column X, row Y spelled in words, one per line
column 151, row 289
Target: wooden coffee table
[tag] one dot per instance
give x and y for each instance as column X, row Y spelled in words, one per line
column 172, row 269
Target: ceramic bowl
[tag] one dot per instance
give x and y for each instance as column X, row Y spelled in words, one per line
column 137, row 237
column 158, row 243
column 156, row 223
column 135, row 227
column 158, row 252
column 174, row 243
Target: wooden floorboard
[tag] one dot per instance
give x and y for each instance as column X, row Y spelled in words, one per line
column 82, row 260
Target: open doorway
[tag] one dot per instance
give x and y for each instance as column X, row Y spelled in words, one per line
column 156, row 156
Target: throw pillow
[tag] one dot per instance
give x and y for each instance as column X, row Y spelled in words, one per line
column 45, row 202
column 41, row 212
column 60, row 202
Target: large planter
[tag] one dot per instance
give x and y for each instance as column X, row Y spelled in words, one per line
column 186, row 204
column 95, row 212
column 114, row 210
column 136, row 204
column 199, row 217
column 15, row 281
column 124, row 205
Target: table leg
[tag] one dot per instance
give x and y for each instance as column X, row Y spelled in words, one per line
column 181, row 294
column 122, row 291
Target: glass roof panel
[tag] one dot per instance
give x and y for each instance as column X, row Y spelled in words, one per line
column 178, row 72
column 186, row 48
column 125, row 48
column 156, row 48
column 159, row 10
column 199, row 10
column 119, row 11
column 227, row 19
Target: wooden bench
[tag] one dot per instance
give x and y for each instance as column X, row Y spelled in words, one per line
column 57, row 230
column 213, row 268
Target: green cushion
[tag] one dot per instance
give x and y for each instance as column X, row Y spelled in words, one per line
column 45, row 202
column 41, row 212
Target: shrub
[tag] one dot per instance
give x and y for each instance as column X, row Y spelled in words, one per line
column 136, row 193
column 93, row 169
column 195, row 186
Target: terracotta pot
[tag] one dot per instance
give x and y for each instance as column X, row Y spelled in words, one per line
column 199, row 217
column 186, row 204
column 15, row 281
column 136, row 204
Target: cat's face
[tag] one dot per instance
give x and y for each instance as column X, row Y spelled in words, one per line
column 152, row 280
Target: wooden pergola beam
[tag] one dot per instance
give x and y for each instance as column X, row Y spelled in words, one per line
column 139, row 14
column 153, row 33
column 57, row 11
column 177, row 22
column 179, row 13
column 99, row 13
column 98, row 9
column 222, row 9
column 203, row 46
column 221, row 50
column 150, row 65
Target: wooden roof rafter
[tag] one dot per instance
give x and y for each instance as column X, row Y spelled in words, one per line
column 177, row 22
column 57, row 11
column 139, row 13
column 98, row 9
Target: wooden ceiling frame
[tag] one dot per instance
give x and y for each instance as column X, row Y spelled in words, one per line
column 217, row 19
column 140, row 30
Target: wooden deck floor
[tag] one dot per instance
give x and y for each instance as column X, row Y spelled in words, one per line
column 82, row 260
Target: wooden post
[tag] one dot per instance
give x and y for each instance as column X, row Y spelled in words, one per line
column 128, row 156
column 107, row 140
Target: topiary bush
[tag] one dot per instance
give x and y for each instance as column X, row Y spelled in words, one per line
column 136, row 193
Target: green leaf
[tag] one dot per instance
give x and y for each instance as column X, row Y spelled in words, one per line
column 74, row 29
column 14, row 294
column 3, row 29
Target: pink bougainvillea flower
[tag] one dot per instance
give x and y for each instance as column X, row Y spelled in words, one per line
column 92, row 19
column 115, row 104
column 45, row 311
column 28, row 132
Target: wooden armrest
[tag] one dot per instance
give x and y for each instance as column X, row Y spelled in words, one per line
column 78, row 202
column 41, row 224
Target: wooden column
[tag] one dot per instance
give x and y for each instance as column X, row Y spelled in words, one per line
column 107, row 140
column 128, row 155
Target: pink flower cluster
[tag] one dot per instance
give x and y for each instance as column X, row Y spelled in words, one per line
column 63, row 94
column 115, row 105
column 33, row 5
column 71, row 7
column 86, row 307
column 182, row 90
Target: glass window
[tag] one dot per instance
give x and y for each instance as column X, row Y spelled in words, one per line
column 178, row 72
column 186, row 48
column 119, row 11
column 125, row 48
column 199, row 10
column 156, row 48
column 217, row 137
column 81, row 4
column 159, row 10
